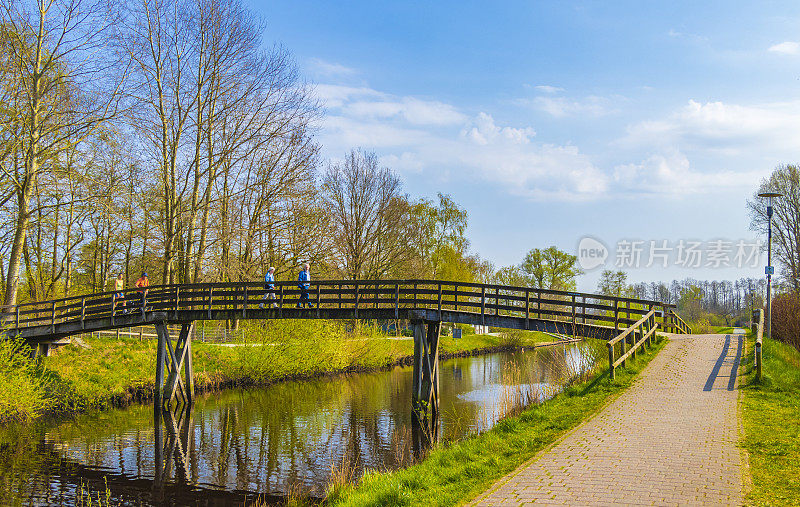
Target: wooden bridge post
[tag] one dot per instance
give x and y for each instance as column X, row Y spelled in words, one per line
column 172, row 360
column 527, row 309
column 161, row 351
column 425, row 376
column 483, row 306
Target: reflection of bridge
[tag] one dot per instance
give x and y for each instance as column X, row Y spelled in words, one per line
column 425, row 303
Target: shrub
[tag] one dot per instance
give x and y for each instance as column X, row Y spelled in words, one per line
column 22, row 385
column 786, row 319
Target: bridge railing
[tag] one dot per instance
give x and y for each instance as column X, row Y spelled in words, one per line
column 352, row 295
column 637, row 335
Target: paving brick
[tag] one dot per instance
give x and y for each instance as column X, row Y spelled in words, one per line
column 669, row 439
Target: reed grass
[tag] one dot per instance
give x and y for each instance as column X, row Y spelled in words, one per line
column 456, row 472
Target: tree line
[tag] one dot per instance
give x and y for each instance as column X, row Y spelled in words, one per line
column 720, row 302
column 160, row 136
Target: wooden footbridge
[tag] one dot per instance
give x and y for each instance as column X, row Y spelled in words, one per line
column 425, row 303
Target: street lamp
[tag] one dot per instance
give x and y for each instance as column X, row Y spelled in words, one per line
column 770, row 270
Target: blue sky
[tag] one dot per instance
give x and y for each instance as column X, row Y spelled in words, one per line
column 551, row 121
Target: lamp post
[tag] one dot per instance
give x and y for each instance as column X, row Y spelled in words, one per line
column 769, row 271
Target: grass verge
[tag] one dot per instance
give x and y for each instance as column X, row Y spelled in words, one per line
column 116, row 372
column 771, row 422
column 457, row 472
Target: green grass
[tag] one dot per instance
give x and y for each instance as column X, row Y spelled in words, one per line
column 458, row 472
column 116, row 372
column 22, row 383
column 771, row 420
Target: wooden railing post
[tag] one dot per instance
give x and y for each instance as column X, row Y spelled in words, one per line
column 113, row 306
column 573, row 313
column 616, row 315
column 455, row 297
column 527, row 309
column 356, row 289
column 210, row 296
column 396, row 302
column 53, row 318
column 16, row 308
column 83, row 313
column 177, row 300
column 319, row 294
column 583, row 309
column 483, row 305
column 280, row 308
column 244, row 307
column 611, row 360
column 440, row 301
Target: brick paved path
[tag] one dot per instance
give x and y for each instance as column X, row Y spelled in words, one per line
column 669, row 439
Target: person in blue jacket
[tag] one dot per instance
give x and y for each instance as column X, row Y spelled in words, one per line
column 269, row 287
column 303, row 282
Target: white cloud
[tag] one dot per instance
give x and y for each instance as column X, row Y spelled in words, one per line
column 786, row 48
column 548, row 89
column 415, row 111
column 723, row 129
column 699, row 148
column 561, row 107
column 672, row 173
column 415, row 135
column 322, row 68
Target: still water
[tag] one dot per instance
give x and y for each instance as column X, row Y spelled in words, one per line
column 237, row 444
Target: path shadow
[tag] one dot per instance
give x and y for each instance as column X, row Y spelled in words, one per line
column 721, row 360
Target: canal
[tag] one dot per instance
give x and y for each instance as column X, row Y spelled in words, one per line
column 237, row 444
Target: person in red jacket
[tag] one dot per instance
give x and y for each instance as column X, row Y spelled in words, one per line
column 143, row 283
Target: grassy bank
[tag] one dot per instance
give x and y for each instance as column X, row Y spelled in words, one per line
column 771, row 422
column 458, row 472
column 116, row 372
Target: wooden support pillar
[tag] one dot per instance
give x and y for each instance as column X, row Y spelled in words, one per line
column 161, row 351
column 172, row 360
column 425, row 380
column 425, row 376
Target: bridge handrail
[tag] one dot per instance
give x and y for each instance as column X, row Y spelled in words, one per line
column 682, row 325
column 632, row 327
column 646, row 326
column 413, row 292
column 359, row 282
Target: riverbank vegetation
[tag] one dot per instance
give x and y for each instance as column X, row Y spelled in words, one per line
column 771, row 421
column 109, row 371
column 459, row 471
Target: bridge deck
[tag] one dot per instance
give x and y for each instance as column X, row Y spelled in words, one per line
column 468, row 303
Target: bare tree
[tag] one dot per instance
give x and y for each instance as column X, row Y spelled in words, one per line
column 369, row 216
column 65, row 92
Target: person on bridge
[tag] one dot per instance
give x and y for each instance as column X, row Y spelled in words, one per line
column 269, row 287
column 119, row 286
column 304, row 278
column 143, row 283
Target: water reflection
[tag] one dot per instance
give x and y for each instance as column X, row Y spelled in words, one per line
column 241, row 442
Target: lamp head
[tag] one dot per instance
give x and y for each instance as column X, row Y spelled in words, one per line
column 770, row 194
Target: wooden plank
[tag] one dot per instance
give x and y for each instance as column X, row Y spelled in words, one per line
column 163, row 335
column 397, row 302
column 631, row 328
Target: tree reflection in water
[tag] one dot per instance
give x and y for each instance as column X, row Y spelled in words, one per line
column 293, row 434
